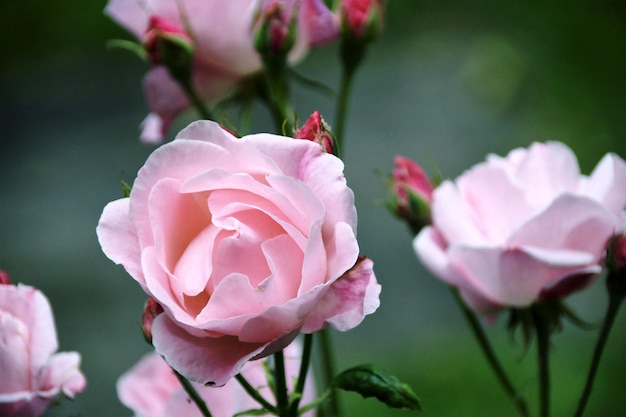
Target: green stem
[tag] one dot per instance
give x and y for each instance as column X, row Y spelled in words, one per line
column 255, row 394
column 328, row 373
column 195, row 100
column 304, row 369
column 543, row 357
column 615, row 302
column 282, row 399
column 517, row 399
column 277, row 93
column 193, row 394
column 343, row 99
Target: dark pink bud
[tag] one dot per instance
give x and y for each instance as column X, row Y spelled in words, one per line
column 409, row 177
column 317, row 130
column 151, row 309
column 274, row 31
column 411, row 193
column 362, row 19
column 616, row 257
column 4, row 278
column 163, row 37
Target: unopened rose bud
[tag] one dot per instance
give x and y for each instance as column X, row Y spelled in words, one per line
column 411, row 192
column 4, row 278
column 317, row 130
column 169, row 45
column 150, row 311
column 616, row 264
column 362, row 19
column 616, row 254
column 274, row 31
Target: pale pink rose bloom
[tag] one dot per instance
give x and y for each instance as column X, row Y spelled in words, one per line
column 31, row 373
column 515, row 230
column 221, row 33
column 150, row 389
column 244, row 242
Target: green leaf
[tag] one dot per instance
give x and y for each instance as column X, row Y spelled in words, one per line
column 125, row 186
column 131, row 46
column 370, row 381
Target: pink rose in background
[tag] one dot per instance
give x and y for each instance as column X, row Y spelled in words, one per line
column 511, row 231
column 221, row 34
column 244, row 243
column 150, row 389
column 31, row 373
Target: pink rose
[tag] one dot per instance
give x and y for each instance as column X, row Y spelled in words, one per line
column 31, row 373
column 221, row 36
column 244, row 242
column 150, row 389
column 511, row 231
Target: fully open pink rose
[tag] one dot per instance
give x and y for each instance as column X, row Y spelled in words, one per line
column 151, row 389
column 244, row 242
column 221, row 34
column 31, row 373
column 514, row 230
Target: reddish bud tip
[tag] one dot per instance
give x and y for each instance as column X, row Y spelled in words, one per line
column 4, row 278
column 412, row 193
column 164, row 39
column 616, row 257
column 317, row 130
column 362, row 19
column 274, row 30
column 151, row 309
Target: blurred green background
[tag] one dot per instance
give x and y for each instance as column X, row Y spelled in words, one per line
column 446, row 84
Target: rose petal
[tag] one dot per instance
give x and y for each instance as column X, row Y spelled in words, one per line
column 348, row 300
column 511, row 276
column 118, row 239
column 607, row 183
column 207, row 360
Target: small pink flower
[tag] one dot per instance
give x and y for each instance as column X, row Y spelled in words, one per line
column 160, row 32
column 317, row 130
column 150, row 389
column 245, row 243
column 224, row 53
column 31, row 373
column 511, row 231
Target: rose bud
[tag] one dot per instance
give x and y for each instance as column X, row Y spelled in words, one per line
column 151, row 309
column 169, row 45
column 411, row 192
column 4, row 278
column 317, row 130
column 616, row 256
column 274, row 30
column 362, row 19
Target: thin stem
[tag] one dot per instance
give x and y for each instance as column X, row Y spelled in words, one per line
column 615, row 302
column 543, row 357
column 282, row 398
column 255, row 394
column 304, row 369
column 517, row 399
column 195, row 100
column 343, row 99
column 193, row 394
column 328, row 372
